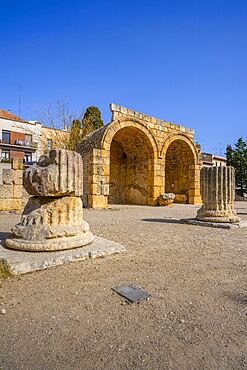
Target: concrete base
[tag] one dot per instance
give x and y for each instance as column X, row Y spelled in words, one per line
column 21, row 262
column 219, row 225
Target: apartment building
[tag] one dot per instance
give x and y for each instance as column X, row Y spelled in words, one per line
column 209, row 160
column 27, row 140
column 19, row 138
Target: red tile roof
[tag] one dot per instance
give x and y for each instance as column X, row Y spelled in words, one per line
column 7, row 115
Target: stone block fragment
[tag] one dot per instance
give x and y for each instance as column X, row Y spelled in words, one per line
column 6, row 191
column 181, row 198
column 7, row 205
column 57, row 175
column 7, row 176
column 17, row 191
column 166, row 199
column 18, row 177
column 17, row 164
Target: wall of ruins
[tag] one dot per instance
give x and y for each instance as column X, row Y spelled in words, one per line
column 130, row 168
column 11, row 189
column 132, row 160
column 178, row 174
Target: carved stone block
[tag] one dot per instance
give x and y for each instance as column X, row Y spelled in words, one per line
column 57, row 175
column 53, row 218
column 218, row 194
column 49, row 224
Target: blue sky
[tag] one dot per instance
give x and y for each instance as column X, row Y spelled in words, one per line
column 182, row 61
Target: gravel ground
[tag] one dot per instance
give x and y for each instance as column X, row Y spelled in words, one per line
column 68, row 317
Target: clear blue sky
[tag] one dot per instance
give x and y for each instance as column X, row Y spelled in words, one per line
column 178, row 60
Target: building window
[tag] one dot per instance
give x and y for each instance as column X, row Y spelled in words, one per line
column 6, row 137
column 5, row 155
column 28, row 139
column 27, row 158
column 49, row 144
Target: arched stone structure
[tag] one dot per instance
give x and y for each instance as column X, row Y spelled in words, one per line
column 181, row 168
column 128, row 162
column 131, row 167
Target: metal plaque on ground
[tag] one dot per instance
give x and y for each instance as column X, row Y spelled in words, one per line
column 131, row 293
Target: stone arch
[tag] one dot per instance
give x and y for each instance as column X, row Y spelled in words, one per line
column 184, row 138
column 182, row 169
column 131, row 175
column 119, row 124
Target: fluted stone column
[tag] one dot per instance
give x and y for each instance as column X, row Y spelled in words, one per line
column 53, row 216
column 218, row 194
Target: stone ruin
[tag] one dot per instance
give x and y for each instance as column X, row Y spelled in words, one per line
column 218, row 195
column 166, row 199
column 11, row 189
column 53, row 217
column 136, row 158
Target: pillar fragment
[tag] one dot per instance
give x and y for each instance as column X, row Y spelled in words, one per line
column 218, row 194
column 53, row 217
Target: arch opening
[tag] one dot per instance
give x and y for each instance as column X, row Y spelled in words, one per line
column 131, row 167
column 179, row 171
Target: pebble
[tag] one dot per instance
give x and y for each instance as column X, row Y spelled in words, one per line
column 3, row 311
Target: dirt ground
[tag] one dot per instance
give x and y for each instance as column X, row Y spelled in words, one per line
column 68, row 317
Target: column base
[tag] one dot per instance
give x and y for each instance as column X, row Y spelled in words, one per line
column 217, row 216
column 51, row 224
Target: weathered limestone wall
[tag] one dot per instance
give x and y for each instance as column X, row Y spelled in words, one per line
column 131, row 160
column 11, row 179
column 179, row 161
column 129, row 170
column 157, row 126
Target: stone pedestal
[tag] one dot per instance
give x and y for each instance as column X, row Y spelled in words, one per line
column 218, row 193
column 49, row 224
column 53, row 218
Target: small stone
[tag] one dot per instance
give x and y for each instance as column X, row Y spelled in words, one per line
column 2, row 311
column 166, row 199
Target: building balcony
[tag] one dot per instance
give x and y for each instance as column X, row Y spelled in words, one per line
column 19, row 145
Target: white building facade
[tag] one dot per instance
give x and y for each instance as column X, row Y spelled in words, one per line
column 19, row 138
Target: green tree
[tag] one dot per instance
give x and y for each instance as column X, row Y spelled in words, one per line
column 240, row 164
column 237, row 158
column 91, row 120
column 229, row 155
column 75, row 135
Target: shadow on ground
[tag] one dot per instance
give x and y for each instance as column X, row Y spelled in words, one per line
column 237, row 297
column 163, row 220
column 4, row 236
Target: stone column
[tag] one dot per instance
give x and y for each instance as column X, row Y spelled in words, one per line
column 53, row 217
column 218, row 194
